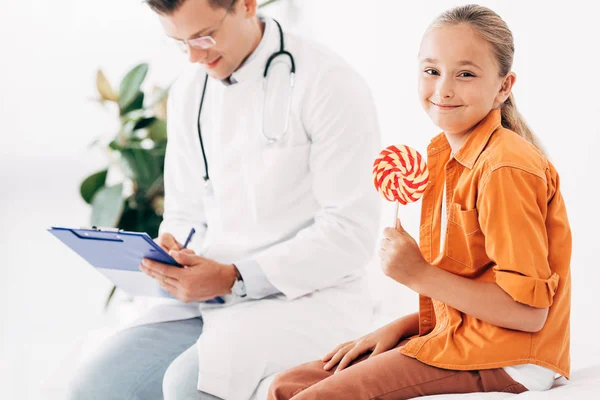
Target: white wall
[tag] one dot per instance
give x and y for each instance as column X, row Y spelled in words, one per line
column 49, row 52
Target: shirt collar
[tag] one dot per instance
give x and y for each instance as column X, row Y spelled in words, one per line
column 254, row 65
column 470, row 151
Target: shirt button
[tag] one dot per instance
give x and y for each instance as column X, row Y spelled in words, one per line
column 425, row 321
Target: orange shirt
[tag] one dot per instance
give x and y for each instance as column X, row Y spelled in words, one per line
column 507, row 223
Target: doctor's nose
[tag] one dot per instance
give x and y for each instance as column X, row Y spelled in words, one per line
column 445, row 88
column 195, row 54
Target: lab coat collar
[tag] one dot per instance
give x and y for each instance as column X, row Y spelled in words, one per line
column 254, row 66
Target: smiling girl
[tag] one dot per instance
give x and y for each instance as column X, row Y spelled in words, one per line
column 493, row 267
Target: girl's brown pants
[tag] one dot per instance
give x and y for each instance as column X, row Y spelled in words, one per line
column 390, row 375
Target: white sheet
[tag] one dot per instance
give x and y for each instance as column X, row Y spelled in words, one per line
column 584, row 384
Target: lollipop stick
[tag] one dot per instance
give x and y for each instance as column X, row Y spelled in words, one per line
column 396, row 214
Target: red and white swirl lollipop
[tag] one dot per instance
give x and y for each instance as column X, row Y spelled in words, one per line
column 400, row 174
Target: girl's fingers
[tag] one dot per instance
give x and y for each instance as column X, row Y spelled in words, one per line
column 399, row 226
column 337, row 357
column 328, row 356
column 390, row 233
column 348, row 358
column 384, row 244
column 377, row 350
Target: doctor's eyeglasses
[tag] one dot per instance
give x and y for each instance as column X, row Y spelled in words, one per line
column 203, row 42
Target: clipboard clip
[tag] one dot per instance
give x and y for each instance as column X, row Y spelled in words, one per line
column 104, row 229
column 95, row 233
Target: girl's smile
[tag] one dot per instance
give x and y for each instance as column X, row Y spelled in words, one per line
column 446, row 107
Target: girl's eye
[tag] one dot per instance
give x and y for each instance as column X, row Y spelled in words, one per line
column 431, row 71
column 466, row 75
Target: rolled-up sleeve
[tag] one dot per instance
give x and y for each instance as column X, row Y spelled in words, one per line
column 512, row 206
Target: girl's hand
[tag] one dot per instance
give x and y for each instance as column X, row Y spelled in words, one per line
column 400, row 255
column 379, row 341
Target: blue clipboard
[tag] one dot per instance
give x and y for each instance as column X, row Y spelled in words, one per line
column 117, row 255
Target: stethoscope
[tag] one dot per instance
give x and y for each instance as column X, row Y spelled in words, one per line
column 270, row 140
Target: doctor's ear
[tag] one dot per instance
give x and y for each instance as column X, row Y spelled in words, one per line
column 250, row 7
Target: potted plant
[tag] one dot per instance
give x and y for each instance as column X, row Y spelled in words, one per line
column 134, row 200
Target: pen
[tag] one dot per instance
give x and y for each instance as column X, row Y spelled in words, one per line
column 189, row 238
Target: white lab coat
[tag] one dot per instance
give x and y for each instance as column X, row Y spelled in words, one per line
column 304, row 208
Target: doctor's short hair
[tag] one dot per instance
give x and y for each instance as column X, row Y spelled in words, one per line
column 167, row 7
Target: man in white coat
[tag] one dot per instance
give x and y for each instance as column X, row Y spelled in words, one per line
column 276, row 181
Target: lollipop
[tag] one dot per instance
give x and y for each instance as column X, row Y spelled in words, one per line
column 400, row 174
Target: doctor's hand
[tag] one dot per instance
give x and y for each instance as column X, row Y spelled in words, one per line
column 168, row 242
column 201, row 278
column 401, row 258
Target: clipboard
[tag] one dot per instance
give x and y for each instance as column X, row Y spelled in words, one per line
column 117, row 255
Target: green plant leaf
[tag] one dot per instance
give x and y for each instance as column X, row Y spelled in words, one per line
column 144, row 123
column 126, row 134
column 107, row 93
column 143, row 218
column 158, row 131
column 156, row 189
column 142, row 166
column 107, row 206
column 92, row 184
column 114, row 145
column 135, row 115
column 136, row 104
column 130, row 85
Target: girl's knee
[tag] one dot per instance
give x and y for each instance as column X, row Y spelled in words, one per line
column 285, row 385
column 276, row 388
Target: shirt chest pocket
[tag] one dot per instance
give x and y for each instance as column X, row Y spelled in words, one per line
column 465, row 240
column 276, row 178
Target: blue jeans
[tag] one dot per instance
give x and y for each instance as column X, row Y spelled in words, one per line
column 146, row 362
